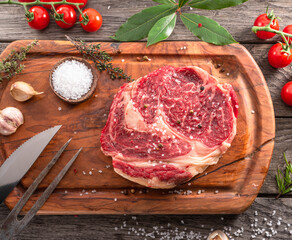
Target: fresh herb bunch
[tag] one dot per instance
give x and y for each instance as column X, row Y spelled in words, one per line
column 100, row 58
column 11, row 65
column 284, row 180
column 158, row 22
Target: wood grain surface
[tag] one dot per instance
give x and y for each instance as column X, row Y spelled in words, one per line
column 237, row 177
column 238, row 21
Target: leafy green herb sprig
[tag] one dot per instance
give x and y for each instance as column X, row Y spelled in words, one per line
column 284, row 180
column 100, row 58
column 158, row 22
column 11, row 65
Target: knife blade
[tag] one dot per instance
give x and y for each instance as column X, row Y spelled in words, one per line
column 20, row 161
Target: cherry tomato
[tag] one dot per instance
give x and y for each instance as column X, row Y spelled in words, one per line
column 95, row 20
column 78, row 1
column 288, row 29
column 49, row 6
column 41, row 18
column 277, row 58
column 286, row 93
column 263, row 21
column 69, row 16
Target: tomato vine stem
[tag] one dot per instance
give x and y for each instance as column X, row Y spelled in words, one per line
column 286, row 47
column 29, row 15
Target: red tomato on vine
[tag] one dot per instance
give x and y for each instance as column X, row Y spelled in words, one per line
column 95, row 20
column 279, row 58
column 69, row 16
column 288, row 29
column 262, row 21
column 41, row 18
column 286, row 93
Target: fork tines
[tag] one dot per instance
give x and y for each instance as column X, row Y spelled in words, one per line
column 12, row 225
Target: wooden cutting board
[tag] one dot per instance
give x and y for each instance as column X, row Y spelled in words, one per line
column 91, row 186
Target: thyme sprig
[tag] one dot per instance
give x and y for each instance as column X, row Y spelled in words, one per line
column 11, row 65
column 284, row 180
column 100, row 58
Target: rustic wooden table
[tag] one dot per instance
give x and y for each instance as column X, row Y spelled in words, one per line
column 267, row 218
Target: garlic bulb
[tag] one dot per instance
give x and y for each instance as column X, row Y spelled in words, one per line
column 10, row 119
column 217, row 235
column 22, row 91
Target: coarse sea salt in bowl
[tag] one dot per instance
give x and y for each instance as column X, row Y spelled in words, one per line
column 73, row 79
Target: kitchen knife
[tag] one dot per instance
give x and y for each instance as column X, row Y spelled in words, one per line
column 18, row 163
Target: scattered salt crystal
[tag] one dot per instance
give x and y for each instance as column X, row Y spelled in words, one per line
column 108, row 7
column 90, row 173
column 115, row 199
column 107, row 166
column 72, row 79
column 84, row 173
column 227, row 74
column 96, row 96
column 252, row 111
column 100, row 171
column 123, row 60
column 59, row 108
column 66, row 192
column 189, row 184
column 216, row 191
column 182, row 221
column 93, row 191
column 86, row 193
column 75, row 132
column 191, row 8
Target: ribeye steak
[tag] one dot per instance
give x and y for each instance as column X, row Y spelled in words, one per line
column 169, row 126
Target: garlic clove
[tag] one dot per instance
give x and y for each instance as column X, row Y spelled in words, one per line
column 10, row 119
column 22, row 91
column 217, row 235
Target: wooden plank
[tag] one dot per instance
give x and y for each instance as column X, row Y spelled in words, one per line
column 238, row 20
column 274, row 78
column 136, row 227
column 237, row 180
column 283, row 143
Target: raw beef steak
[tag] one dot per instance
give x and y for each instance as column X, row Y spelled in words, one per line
column 170, row 125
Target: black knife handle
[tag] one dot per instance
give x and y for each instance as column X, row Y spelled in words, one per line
column 5, row 190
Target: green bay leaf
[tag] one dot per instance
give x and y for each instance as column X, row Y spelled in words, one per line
column 215, row 4
column 182, row 2
column 138, row 26
column 165, row 1
column 210, row 31
column 162, row 29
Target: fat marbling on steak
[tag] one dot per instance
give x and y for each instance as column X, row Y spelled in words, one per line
column 169, row 126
